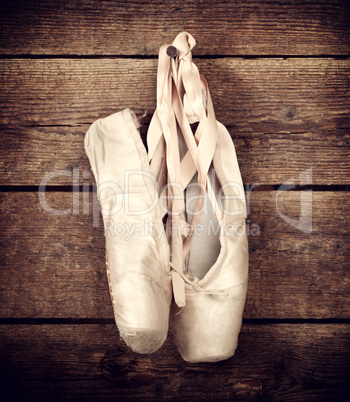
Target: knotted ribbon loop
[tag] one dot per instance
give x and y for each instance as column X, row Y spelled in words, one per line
column 184, row 43
column 188, row 79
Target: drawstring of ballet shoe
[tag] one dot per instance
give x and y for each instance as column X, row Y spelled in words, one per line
column 194, row 283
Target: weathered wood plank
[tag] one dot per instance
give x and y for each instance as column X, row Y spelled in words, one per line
column 53, row 266
column 247, row 94
column 30, row 154
column 139, row 28
column 273, row 362
column 285, row 115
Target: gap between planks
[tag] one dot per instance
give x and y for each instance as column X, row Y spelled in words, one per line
column 150, row 57
column 109, row 321
column 92, row 188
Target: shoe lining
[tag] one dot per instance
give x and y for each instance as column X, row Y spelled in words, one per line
column 205, row 246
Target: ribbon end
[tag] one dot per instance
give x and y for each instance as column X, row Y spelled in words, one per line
column 178, row 290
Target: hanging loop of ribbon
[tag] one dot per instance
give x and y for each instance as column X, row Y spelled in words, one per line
column 183, row 98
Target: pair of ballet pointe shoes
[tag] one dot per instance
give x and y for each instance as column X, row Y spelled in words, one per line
column 174, row 217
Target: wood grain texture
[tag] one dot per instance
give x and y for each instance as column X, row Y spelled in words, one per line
column 64, row 64
column 252, row 27
column 285, row 116
column 53, row 266
column 89, row 362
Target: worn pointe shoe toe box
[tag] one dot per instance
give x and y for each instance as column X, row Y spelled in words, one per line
column 207, row 329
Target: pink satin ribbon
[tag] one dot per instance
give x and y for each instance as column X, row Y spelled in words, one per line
column 183, row 98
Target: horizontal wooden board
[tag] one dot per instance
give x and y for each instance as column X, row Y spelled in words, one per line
column 89, row 362
column 91, row 27
column 34, row 155
column 53, row 266
column 258, row 95
column 285, row 116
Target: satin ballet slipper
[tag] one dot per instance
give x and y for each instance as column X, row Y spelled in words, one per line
column 216, row 271
column 137, row 252
column 209, row 272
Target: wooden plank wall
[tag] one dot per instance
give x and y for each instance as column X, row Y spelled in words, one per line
column 279, row 74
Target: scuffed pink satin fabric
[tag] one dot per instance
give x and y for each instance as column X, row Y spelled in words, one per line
column 207, row 329
column 137, row 259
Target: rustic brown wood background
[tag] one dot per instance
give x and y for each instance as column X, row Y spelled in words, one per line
column 279, row 74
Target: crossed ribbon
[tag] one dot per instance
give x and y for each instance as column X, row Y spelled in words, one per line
column 183, row 98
